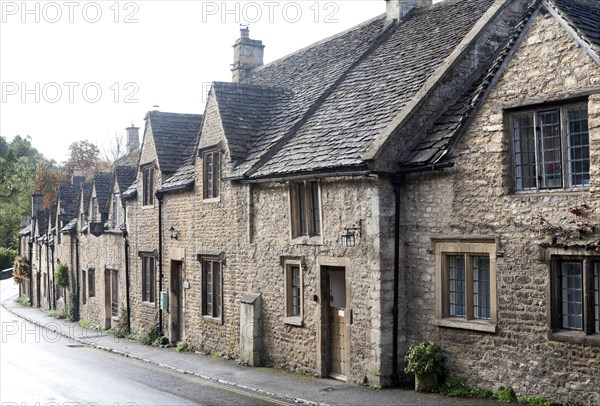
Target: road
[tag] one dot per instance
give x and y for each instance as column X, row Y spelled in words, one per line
column 39, row 367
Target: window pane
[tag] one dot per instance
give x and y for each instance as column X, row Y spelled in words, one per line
column 572, row 295
column 217, row 291
column 208, row 168
column 303, row 226
column 481, row 287
column 579, row 146
column 208, row 288
column 549, row 149
column 115, row 293
column 456, row 285
column 116, row 209
column 295, row 288
column 216, row 174
column 524, row 146
column 316, row 213
column 597, row 296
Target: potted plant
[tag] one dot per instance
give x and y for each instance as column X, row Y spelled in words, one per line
column 425, row 362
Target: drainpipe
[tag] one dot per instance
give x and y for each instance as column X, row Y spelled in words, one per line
column 39, row 275
column 397, row 184
column 77, row 283
column 30, row 244
column 128, row 303
column 159, row 197
column 53, row 284
column 48, row 282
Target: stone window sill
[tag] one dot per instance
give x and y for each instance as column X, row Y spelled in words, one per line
column 305, row 240
column 576, row 337
column 485, row 326
column 216, row 320
column 212, row 200
column 294, row 321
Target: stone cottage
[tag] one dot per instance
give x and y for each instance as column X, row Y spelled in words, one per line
column 429, row 174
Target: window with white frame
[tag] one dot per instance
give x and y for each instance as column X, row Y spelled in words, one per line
column 466, row 284
column 212, row 288
column 575, row 297
column 551, row 147
column 305, row 205
column 293, row 293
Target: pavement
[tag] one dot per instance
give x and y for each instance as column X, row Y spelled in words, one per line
column 296, row 388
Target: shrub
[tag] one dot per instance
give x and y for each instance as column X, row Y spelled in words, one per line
column 425, row 359
column 61, row 276
column 21, row 271
column 184, row 347
column 460, row 389
column 533, row 400
column 7, row 257
column 24, row 301
column 505, row 395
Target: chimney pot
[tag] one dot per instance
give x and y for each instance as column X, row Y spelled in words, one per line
column 133, row 138
column 247, row 55
column 398, row 9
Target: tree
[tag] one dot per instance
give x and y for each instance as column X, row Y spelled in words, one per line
column 47, row 179
column 84, row 156
column 116, row 148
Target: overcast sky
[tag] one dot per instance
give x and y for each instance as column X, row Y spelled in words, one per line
column 74, row 70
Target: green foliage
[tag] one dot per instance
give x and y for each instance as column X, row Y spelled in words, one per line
column 71, row 311
column 21, row 271
column 184, row 347
column 24, row 300
column 56, row 314
column 505, row 395
column 425, row 359
column 533, row 400
column 61, row 276
column 86, row 324
column 7, row 257
column 460, row 389
column 19, row 161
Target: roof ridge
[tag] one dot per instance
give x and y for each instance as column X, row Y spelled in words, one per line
column 318, row 43
column 380, row 39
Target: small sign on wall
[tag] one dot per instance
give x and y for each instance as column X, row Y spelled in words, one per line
column 186, row 284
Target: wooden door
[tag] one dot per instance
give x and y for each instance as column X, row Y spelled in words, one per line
column 338, row 322
column 175, row 302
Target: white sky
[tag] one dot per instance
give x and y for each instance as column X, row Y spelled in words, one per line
column 166, row 55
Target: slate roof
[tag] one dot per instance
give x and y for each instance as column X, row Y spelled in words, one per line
column 183, row 179
column 25, row 230
column 436, row 144
column 337, row 110
column 125, row 176
column 69, row 226
column 67, row 195
column 584, row 17
column 174, row 137
column 102, row 183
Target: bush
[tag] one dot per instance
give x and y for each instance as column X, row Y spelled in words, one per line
column 21, row 271
column 425, row 359
column 71, row 310
column 505, row 395
column 24, row 300
column 460, row 389
column 7, row 257
column 533, row 400
column 184, row 347
column 61, row 276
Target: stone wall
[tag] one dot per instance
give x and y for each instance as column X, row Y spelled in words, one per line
column 476, row 198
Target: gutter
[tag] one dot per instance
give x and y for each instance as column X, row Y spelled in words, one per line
column 337, row 174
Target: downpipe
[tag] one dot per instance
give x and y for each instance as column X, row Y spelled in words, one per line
column 159, row 197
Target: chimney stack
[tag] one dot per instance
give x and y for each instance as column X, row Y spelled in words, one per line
column 133, row 138
column 247, row 55
column 36, row 203
column 398, row 9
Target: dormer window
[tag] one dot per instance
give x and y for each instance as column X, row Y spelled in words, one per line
column 551, row 147
column 211, row 174
column 148, row 186
column 116, row 210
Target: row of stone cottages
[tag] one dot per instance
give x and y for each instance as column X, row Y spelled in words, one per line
column 431, row 174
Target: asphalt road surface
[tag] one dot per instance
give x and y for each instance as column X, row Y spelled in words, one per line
column 38, row 367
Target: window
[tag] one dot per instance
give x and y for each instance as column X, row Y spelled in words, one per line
column 94, row 210
column 466, row 284
column 116, row 210
column 114, row 293
column 551, row 145
column 148, row 278
column 212, row 174
column 305, row 209
column 91, row 282
column 83, row 283
column 293, row 293
column 211, row 288
column 575, row 294
column 148, row 186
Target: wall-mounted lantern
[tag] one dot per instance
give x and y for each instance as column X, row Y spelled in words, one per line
column 349, row 234
column 172, row 233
